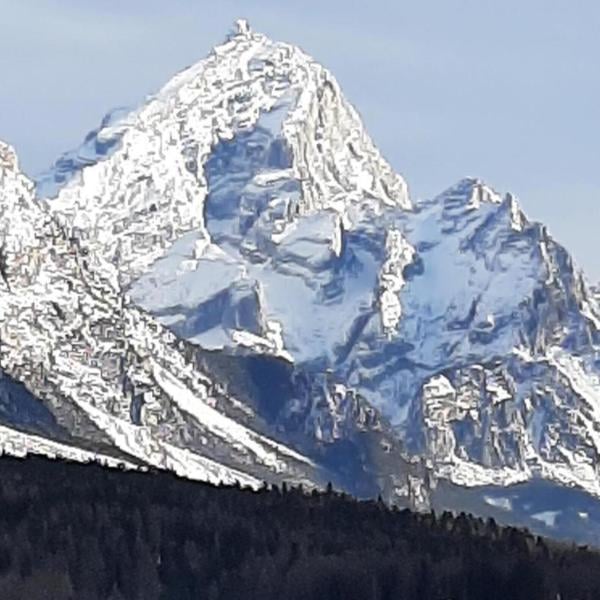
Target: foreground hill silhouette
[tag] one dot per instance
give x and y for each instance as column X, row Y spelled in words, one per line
column 71, row 531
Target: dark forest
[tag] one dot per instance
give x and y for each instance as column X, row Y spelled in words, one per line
column 85, row 532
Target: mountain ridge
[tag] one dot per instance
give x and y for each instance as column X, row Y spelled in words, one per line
column 240, row 231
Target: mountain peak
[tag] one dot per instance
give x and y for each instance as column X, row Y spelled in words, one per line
column 265, row 103
column 8, row 157
column 14, row 182
column 476, row 190
column 242, row 27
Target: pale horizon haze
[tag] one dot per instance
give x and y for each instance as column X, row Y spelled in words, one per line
column 505, row 91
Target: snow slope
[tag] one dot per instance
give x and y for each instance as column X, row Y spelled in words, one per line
column 104, row 370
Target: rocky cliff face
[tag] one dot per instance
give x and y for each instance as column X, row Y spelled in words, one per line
column 87, row 374
column 231, row 281
column 108, row 377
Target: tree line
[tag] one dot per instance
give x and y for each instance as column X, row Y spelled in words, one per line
column 86, row 532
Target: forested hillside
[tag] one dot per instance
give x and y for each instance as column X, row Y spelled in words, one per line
column 84, row 532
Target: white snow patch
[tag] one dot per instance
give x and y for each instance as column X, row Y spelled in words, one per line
column 498, row 502
column 469, row 474
column 139, row 441
column 391, row 279
column 17, row 443
column 548, row 517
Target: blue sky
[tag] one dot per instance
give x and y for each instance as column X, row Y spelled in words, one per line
column 505, row 90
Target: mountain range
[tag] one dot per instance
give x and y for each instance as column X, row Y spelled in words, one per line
column 231, row 282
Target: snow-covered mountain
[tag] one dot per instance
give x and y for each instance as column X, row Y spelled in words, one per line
column 107, row 376
column 231, row 281
column 87, row 374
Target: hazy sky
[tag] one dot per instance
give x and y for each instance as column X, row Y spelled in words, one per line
column 506, row 90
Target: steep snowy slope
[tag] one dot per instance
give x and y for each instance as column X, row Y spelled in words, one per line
column 85, row 373
column 151, row 187
column 245, row 208
column 109, row 378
